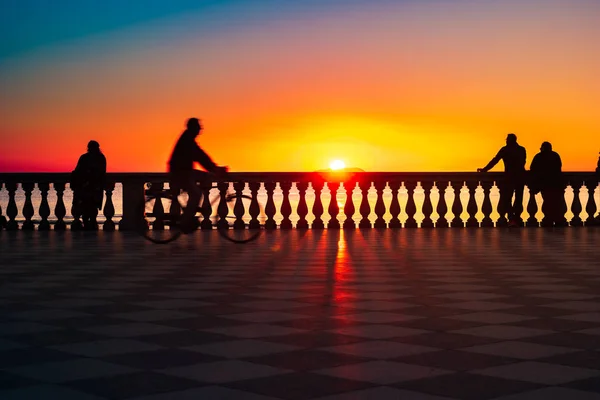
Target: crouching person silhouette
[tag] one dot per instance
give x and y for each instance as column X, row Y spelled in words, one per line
column 87, row 182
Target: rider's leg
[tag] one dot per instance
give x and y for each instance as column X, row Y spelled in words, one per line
column 194, row 196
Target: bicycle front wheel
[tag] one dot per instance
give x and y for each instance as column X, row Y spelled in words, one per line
column 161, row 215
column 237, row 226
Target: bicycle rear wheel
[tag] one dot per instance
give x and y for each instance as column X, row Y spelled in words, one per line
column 237, row 228
column 161, row 215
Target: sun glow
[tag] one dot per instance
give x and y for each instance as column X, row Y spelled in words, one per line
column 337, row 165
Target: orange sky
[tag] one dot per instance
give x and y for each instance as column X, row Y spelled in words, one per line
column 411, row 86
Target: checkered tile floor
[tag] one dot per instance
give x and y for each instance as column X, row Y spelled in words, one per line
column 409, row 314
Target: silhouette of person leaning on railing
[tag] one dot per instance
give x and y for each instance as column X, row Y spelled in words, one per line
column 88, row 181
column 545, row 176
column 183, row 176
column 514, row 157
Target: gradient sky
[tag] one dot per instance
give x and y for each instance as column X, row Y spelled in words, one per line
column 402, row 85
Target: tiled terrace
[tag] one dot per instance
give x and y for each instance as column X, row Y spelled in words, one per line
column 394, row 314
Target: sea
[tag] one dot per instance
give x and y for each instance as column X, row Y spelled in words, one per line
column 340, row 196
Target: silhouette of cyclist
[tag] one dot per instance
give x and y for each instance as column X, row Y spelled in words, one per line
column 514, row 157
column 182, row 174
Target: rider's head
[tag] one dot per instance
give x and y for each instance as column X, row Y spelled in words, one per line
column 193, row 126
column 511, row 138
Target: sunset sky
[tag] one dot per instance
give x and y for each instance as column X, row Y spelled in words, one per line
column 288, row 85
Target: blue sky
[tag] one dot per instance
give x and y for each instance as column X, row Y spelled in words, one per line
column 26, row 25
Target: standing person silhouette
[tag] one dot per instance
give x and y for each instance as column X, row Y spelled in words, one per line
column 514, row 157
column 182, row 174
column 88, row 181
column 545, row 176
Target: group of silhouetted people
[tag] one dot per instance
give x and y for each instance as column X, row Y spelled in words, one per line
column 545, row 177
column 88, row 180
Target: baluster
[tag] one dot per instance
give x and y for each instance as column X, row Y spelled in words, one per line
column 442, row 207
column 223, row 207
column 472, row 205
column 270, row 209
column 238, row 208
column 486, row 207
column 502, row 211
column 411, row 207
column 109, row 208
column 60, row 211
column 206, row 208
column 158, row 210
column 28, row 206
column 44, row 207
column 532, row 209
column 349, row 208
column 457, row 207
column 254, row 207
column 318, row 205
column 427, row 205
column 11, row 208
column 334, row 208
column 302, row 206
column 576, row 207
column 379, row 204
column 590, row 207
column 395, row 205
column 364, row 208
column 286, row 206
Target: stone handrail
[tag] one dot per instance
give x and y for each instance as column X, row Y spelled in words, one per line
column 382, row 185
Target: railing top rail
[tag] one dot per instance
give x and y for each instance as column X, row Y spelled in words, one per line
column 37, row 177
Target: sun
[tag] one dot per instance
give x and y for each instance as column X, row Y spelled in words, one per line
column 337, row 165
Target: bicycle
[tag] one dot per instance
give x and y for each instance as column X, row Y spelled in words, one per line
column 161, row 215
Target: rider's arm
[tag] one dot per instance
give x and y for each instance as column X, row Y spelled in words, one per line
column 494, row 161
column 201, row 157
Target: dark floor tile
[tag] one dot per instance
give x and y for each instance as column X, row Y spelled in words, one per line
column 160, row 359
column 10, row 381
column 590, row 385
column 435, row 312
column 87, row 322
column 120, row 307
column 62, row 336
column 581, row 359
column 317, row 323
column 133, row 385
column 540, row 311
column 299, row 386
column 438, row 324
column 314, row 339
column 220, row 309
column 31, row 355
column 445, row 340
column 307, row 360
column 468, row 386
column 203, row 322
column 567, row 339
column 556, row 324
column 184, row 338
column 455, row 360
